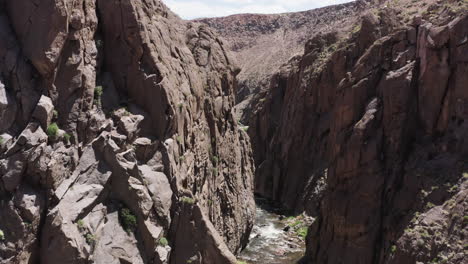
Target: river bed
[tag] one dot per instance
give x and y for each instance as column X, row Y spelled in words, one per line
column 275, row 238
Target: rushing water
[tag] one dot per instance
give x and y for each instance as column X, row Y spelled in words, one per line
column 269, row 243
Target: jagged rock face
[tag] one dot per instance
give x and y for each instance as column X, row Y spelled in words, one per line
column 369, row 133
column 117, row 131
column 263, row 43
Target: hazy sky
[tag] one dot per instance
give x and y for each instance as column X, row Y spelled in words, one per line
column 189, row 9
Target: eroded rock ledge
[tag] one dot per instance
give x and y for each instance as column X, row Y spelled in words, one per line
column 118, row 142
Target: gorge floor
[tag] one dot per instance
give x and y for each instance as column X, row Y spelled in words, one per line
column 275, row 238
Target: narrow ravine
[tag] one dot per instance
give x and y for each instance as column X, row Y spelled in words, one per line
column 276, row 238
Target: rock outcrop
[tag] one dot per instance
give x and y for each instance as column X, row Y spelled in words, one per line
column 117, row 131
column 369, row 133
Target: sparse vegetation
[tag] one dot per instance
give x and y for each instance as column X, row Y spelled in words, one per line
column 215, row 171
column 425, row 234
column 90, row 239
column 244, row 128
column 187, row 200
column 80, row 224
column 241, row 262
column 393, row 249
column 55, row 114
column 214, row 159
column 356, row 29
column 52, row 130
column 1, row 140
column 302, row 232
column 454, row 188
column 98, row 91
column 163, row 241
column 2, row 235
column 128, row 220
column 99, row 43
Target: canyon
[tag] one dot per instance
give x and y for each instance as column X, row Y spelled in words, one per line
column 129, row 135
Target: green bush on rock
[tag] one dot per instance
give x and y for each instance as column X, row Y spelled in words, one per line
column 163, row 242
column 52, row 130
column 128, row 220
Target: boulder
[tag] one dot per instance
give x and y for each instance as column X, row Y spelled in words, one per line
column 160, row 190
column 44, row 111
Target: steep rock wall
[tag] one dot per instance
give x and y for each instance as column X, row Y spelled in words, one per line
column 369, row 134
column 145, row 141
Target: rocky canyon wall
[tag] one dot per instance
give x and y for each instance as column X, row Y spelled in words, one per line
column 262, row 43
column 369, row 133
column 118, row 142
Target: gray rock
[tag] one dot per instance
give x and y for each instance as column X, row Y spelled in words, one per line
column 44, row 111
column 7, row 109
column 115, row 245
column 160, row 190
column 30, row 203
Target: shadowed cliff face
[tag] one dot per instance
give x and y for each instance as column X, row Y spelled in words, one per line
column 118, row 142
column 369, row 133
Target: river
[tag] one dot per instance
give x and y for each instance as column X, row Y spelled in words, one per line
column 275, row 238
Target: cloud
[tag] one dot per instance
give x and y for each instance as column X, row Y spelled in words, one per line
column 189, row 9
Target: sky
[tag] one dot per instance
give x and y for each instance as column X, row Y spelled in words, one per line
column 189, row 9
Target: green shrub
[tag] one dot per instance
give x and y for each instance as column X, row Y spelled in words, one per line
column 393, row 249
column 302, row 232
column 55, row 114
column 2, row 235
column 1, row 140
column 214, row 159
column 97, row 95
column 52, row 130
column 187, row 200
column 128, row 220
column 80, row 223
column 98, row 91
column 163, row 242
column 215, row 171
column 90, row 239
column 356, row 29
column 67, row 137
